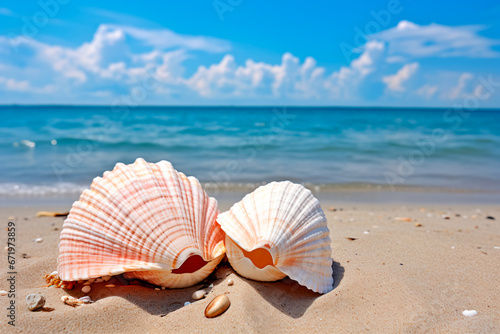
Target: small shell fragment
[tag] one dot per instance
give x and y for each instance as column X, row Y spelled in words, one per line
column 198, row 294
column 3, row 293
column 51, row 214
column 38, row 240
column 86, row 289
column 86, row 300
column 230, row 282
column 217, row 306
column 71, row 301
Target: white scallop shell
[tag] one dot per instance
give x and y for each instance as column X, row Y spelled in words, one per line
column 146, row 220
column 279, row 230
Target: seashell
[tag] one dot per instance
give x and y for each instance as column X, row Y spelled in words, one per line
column 279, row 230
column 145, row 220
column 72, row 301
column 217, row 306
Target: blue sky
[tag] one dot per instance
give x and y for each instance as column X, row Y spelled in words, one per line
column 242, row 52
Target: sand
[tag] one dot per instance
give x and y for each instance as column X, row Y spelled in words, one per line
column 394, row 277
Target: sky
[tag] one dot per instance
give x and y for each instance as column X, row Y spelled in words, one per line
column 251, row 52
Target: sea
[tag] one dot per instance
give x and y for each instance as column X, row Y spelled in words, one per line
column 58, row 150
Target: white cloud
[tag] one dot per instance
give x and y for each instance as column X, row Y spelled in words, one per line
column 395, row 82
column 119, row 57
column 409, row 40
column 427, row 90
column 459, row 91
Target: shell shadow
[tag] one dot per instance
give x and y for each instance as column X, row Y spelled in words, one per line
column 142, row 294
column 288, row 296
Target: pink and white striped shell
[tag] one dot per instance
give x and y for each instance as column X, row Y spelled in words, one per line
column 279, row 230
column 145, row 220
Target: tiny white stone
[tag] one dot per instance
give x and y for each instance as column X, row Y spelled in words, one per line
column 198, row 294
column 211, row 285
column 187, row 303
column 38, row 240
column 452, row 247
column 3, row 293
column 469, row 313
column 230, row 282
column 53, row 142
column 366, row 232
column 86, row 289
column 496, row 247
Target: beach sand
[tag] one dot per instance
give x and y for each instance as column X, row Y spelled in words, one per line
column 391, row 277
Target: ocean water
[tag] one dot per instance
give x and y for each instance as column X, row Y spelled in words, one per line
column 58, row 150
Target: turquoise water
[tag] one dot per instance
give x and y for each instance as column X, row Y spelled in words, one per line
column 59, row 150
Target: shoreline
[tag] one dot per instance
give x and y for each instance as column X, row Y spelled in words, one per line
column 331, row 196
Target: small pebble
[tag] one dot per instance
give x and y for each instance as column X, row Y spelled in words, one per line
column 35, row 301
column 452, row 247
column 3, row 293
column 211, row 285
column 230, row 282
column 490, row 217
column 366, row 232
column 11, row 218
column 38, row 240
column 469, row 313
column 418, row 225
column 332, row 208
column 187, row 303
column 163, row 288
column 198, row 294
column 86, row 289
column 110, row 286
column 157, row 289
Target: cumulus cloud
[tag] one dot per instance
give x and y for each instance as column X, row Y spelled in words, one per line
column 409, row 40
column 395, row 82
column 117, row 57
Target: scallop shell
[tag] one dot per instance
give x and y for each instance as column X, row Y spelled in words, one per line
column 279, row 230
column 145, row 220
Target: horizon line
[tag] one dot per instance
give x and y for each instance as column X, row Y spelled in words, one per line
column 238, row 106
